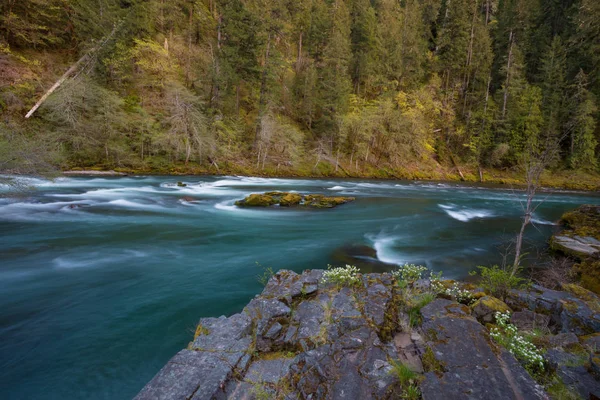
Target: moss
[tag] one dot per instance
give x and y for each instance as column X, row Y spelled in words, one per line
column 321, row 201
column 588, row 297
column 276, row 355
column 257, row 200
column 559, row 391
column 286, row 199
column 489, row 305
column 430, row 363
column 290, row 199
column 200, row 330
column 583, row 221
column 589, row 271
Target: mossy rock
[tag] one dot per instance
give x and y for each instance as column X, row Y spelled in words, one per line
column 583, row 221
column 257, row 200
column 290, row 199
column 486, row 307
column 583, row 294
column 589, row 271
column 321, row 201
column 287, row 199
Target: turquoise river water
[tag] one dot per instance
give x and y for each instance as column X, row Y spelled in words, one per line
column 102, row 280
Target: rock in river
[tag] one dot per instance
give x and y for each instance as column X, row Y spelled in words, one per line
column 287, row 199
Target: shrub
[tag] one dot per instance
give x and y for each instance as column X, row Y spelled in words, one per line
column 267, row 273
column 498, row 281
column 508, row 336
column 341, row 276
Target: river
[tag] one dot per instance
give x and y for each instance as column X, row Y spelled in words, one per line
column 102, row 280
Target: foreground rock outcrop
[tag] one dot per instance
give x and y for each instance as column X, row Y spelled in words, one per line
column 305, row 339
column 289, row 199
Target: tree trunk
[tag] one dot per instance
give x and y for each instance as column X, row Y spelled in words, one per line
column 188, row 71
column 299, row 58
column 263, row 89
column 507, row 83
column 519, row 243
column 57, row 84
column 71, row 70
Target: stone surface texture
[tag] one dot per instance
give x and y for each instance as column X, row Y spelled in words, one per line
column 305, row 339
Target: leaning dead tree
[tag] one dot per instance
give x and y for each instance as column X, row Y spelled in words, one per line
column 536, row 160
column 87, row 60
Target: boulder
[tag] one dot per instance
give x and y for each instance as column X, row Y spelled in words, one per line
column 576, row 246
column 528, row 320
column 573, row 310
column 469, row 366
column 486, row 308
column 571, row 368
column 563, row 340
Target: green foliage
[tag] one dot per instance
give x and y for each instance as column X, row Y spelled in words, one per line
column 348, row 86
column 411, row 392
column 498, row 281
column 265, row 275
column 403, row 372
column 341, row 276
column 408, row 380
column 409, row 273
column 518, row 345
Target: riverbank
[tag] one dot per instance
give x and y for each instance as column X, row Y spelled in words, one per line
column 568, row 180
column 340, row 334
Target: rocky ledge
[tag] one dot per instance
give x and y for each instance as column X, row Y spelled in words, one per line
column 287, row 199
column 579, row 240
column 306, row 339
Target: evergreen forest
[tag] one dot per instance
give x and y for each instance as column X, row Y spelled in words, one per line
column 383, row 88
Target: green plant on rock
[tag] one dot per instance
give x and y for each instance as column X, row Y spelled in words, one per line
column 341, row 276
column 409, row 273
column 408, row 380
column 403, row 372
column 460, row 295
column 498, row 281
column 435, row 282
column 507, row 335
column 418, row 302
column 260, row 392
column 559, row 391
column 267, row 273
column 412, row 392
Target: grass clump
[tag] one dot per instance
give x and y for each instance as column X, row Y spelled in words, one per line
column 341, row 276
column 408, row 380
column 419, row 301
